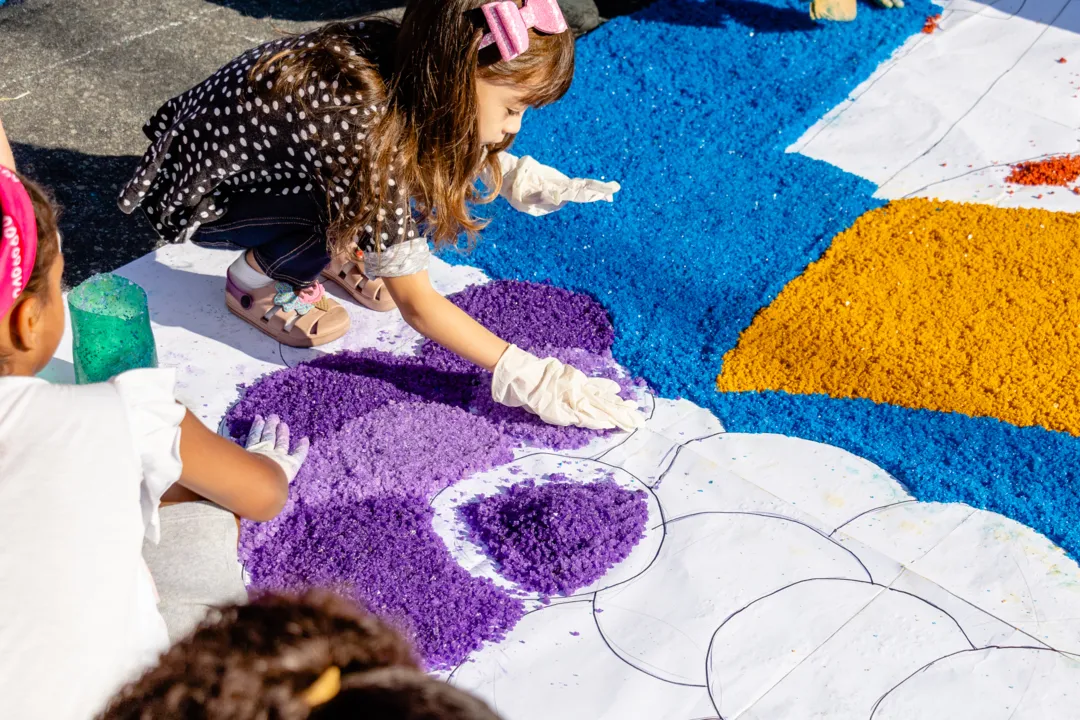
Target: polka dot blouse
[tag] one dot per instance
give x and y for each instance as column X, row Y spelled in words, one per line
column 233, row 134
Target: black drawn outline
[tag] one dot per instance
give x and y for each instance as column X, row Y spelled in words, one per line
column 930, row 664
column 979, row 99
column 669, row 460
column 884, row 588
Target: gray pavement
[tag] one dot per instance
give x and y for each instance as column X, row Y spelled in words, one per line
column 79, row 77
column 85, row 76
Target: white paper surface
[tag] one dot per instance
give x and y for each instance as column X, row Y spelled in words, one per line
column 952, row 110
column 778, row 578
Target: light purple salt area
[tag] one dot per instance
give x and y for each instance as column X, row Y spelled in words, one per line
column 318, row 397
column 400, row 449
column 531, row 316
column 559, row 536
column 383, row 553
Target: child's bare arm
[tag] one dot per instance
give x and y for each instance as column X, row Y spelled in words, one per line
column 435, row 317
column 7, row 158
column 250, row 485
column 559, row 394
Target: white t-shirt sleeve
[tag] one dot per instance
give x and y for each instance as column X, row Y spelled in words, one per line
column 154, row 415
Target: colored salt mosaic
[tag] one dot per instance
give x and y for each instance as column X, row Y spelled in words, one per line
column 943, row 306
column 388, row 433
column 533, row 317
column 410, row 448
column 559, row 536
column 382, row 552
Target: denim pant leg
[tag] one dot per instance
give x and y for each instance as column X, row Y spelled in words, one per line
column 286, row 234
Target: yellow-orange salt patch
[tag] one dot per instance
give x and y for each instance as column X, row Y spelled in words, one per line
column 924, row 304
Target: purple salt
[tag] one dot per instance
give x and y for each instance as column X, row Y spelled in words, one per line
column 407, row 373
column 301, row 397
column 531, row 316
column 317, row 398
column 389, row 432
column 559, row 536
column 383, row 553
column 401, row 449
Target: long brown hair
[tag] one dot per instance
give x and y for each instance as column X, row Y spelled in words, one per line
column 418, row 80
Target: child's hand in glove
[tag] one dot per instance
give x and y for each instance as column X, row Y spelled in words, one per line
column 560, row 394
column 270, row 438
column 537, row 189
column 835, row 10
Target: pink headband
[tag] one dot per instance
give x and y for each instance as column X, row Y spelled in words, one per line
column 18, row 239
column 510, row 24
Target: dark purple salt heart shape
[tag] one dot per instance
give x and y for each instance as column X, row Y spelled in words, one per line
column 401, row 449
column 382, row 552
column 559, row 536
column 531, row 316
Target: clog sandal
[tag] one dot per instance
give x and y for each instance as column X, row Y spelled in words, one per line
column 348, row 272
column 303, row 319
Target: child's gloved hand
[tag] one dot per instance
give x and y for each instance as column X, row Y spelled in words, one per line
column 560, row 394
column 537, row 189
column 835, row 10
column 270, row 438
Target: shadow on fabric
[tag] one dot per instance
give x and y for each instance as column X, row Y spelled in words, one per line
column 759, row 16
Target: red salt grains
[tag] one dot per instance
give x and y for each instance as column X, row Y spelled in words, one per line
column 931, row 23
column 1060, row 171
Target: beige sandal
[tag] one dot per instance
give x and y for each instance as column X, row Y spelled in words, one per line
column 298, row 319
column 348, row 272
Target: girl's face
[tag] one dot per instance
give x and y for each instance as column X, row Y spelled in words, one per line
column 499, row 111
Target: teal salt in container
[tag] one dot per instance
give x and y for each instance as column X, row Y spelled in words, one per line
column 110, row 323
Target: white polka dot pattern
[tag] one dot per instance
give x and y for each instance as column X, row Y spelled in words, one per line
column 234, row 134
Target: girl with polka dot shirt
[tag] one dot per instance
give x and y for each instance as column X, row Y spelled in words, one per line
column 342, row 152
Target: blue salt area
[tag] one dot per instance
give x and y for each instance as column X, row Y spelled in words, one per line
column 690, row 104
column 1031, row 475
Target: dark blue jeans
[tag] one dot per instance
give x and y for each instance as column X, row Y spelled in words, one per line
column 285, row 232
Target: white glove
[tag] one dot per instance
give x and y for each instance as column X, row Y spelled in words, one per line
column 270, row 438
column 560, row 394
column 537, row 189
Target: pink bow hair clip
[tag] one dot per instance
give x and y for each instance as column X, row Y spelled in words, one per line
column 510, row 24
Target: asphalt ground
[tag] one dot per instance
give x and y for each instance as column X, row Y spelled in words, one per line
column 79, row 77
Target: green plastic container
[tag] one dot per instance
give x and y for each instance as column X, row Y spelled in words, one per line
column 110, row 322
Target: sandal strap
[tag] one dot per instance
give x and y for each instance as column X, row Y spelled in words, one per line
column 356, row 276
column 278, row 317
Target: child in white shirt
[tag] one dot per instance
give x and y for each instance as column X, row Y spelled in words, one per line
column 82, row 469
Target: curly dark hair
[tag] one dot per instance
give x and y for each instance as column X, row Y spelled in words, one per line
column 255, row 662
